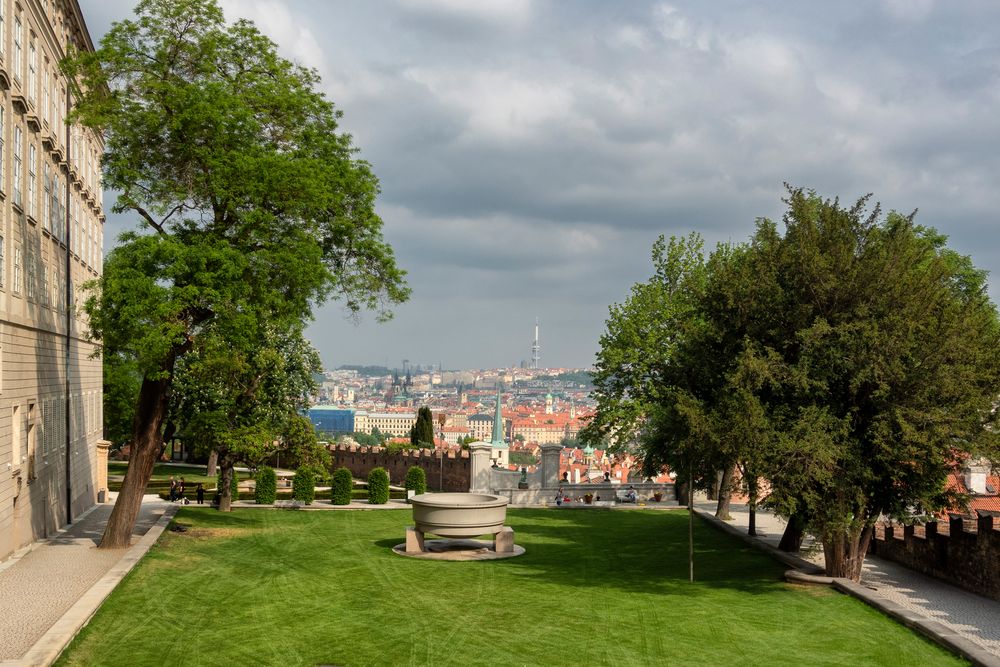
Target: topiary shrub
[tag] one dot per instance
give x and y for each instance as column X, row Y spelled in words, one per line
column 266, row 489
column 304, row 485
column 341, row 487
column 416, row 480
column 378, row 486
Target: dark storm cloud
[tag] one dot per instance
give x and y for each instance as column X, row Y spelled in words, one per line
column 531, row 151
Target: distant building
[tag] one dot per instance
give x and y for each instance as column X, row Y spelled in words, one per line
column 329, row 419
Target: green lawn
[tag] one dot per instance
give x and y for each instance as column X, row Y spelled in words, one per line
column 594, row 588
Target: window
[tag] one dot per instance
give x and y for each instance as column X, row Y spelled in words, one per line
column 32, row 266
column 32, row 180
column 32, row 71
column 15, row 436
column 18, row 28
column 47, row 197
column 17, row 270
column 2, row 134
column 3, row 265
column 45, row 90
column 17, row 166
column 45, row 284
column 3, row 28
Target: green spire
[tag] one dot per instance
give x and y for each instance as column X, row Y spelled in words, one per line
column 498, row 425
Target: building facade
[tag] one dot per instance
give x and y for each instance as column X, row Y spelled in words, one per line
column 51, row 232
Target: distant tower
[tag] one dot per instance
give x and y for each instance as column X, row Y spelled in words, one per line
column 548, row 404
column 535, row 347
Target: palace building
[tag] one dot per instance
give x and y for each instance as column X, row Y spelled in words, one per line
column 52, row 456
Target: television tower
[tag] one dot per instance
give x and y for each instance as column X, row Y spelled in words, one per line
column 535, row 347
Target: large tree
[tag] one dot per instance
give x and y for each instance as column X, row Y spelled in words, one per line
column 253, row 206
column 852, row 362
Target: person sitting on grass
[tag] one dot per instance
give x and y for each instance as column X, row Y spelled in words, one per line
column 630, row 494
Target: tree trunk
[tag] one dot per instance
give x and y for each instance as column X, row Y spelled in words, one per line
column 226, row 490
column 752, row 504
column 844, row 552
column 213, row 460
column 147, row 445
column 791, row 539
column 725, row 494
column 712, row 492
column 681, row 489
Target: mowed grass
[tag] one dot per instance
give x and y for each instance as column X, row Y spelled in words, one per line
column 262, row 587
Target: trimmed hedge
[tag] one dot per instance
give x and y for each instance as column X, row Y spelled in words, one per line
column 416, row 480
column 304, row 485
column 378, row 486
column 341, row 487
column 266, row 489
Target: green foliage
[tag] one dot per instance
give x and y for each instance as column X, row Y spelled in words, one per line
column 266, row 488
column 374, row 439
column 341, row 486
column 416, row 480
column 523, row 459
column 849, row 361
column 254, row 208
column 378, row 486
column 300, row 446
column 304, row 485
column 422, row 433
column 121, row 390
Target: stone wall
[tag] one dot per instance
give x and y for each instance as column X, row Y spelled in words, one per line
column 968, row 555
column 446, row 471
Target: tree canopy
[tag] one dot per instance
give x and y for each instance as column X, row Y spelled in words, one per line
column 253, row 207
column 851, row 362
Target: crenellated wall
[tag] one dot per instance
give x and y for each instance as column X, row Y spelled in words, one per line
column 446, row 471
column 968, row 555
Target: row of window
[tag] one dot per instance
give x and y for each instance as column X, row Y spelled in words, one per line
column 35, row 279
column 83, row 153
column 86, row 418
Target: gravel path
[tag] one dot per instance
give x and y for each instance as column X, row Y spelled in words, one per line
column 38, row 587
column 972, row 616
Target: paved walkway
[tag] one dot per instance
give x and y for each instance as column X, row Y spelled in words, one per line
column 45, row 582
column 971, row 616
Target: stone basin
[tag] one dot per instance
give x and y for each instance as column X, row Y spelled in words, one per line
column 459, row 514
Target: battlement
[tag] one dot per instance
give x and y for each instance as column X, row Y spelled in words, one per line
column 446, row 470
column 964, row 552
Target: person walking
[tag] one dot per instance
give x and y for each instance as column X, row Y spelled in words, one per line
column 173, row 489
column 200, row 493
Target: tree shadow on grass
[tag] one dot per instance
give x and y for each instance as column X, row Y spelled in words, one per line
column 636, row 551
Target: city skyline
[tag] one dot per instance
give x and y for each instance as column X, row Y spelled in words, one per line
column 530, row 153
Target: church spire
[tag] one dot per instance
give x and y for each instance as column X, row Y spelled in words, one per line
column 498, row 424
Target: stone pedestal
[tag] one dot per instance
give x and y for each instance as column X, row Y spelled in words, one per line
column 503, row 542
column 414, row 541
column 550, row 465
column 479, row 467
column 102, row 467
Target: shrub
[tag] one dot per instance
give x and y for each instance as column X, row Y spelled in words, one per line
column 378, row 486
column 416, row 480
column 266, row 489
column 341, row 487
column 304, row 485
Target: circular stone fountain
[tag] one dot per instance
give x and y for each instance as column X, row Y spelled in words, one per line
column 457, row 517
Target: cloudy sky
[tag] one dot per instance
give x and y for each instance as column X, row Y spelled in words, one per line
column 531, row 151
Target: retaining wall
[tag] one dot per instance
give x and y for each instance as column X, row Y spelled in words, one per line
column 445, row 470
column 968, row 555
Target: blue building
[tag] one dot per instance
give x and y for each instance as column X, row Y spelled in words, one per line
column 328, row 419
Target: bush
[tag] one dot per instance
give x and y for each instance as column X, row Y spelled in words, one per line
column 378, row 486
column 341, row 487
column 234, row 487
column 266, row 489
column 304, row 485
column 416, row 480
